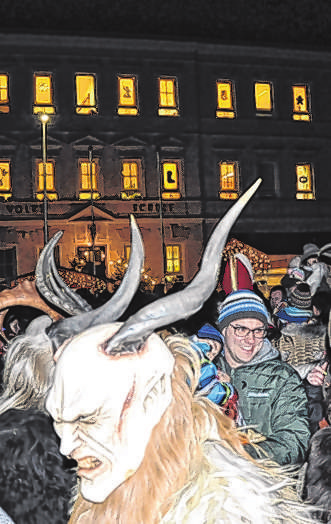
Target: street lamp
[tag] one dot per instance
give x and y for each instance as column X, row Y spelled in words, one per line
column 44, row 118
column 159, row 171
column 92, row 227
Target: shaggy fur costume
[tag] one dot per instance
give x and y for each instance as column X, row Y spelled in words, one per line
column 35, row 487
column 302, row 346
column 195, row 469
column 318, row 477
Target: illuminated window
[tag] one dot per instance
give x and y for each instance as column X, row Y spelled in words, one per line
column 5, row 183
column 263, row 97
column 43, row 94
column 225, row 99
column 88, row 175
column 4, row 94
column 305, row 182
column 173, row 259
column 170, row 173
column 50, row 180
column 301, row 103
column 229, row 180
column 131, row 176
column 127, row 95
column 85, row 95
column 168, row 97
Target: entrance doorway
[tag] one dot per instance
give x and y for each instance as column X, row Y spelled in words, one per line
column 92, row 261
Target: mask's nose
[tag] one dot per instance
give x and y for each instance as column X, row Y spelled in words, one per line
column 69, row 439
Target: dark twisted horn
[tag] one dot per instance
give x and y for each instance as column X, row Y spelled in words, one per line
column 188, row 301
column 113, row 308
column 51, row 286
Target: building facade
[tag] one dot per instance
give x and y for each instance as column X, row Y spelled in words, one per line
column 172, row 132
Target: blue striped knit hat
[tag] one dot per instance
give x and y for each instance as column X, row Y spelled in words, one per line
column 242, row 304
column 208, row 331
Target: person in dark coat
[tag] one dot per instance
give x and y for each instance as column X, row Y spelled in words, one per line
column 35, row 485
column 35, row 479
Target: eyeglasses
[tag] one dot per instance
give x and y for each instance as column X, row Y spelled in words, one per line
column 242, row 331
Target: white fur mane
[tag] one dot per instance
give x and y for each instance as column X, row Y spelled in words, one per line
column 231, row 490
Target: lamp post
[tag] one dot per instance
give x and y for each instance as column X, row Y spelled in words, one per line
column 93, row 228
column 158, row 167
column 44, row 118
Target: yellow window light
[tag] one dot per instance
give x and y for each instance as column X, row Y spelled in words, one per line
column 263, row 96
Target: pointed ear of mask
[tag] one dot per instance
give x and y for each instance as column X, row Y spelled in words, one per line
column 157, row 399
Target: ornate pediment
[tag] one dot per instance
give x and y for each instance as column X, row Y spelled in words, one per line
column 52, row 143
column 170, row 143
column 87, row 141
column 129, row 142
column 85, row 215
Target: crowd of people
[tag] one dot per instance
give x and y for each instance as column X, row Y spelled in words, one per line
column 263, row 364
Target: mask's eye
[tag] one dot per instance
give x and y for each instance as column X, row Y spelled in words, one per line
column 88, row 420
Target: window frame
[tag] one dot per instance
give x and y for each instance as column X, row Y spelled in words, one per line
column 92, row 108
column 166, row 109
column 129, row 194
column 260, row 111
column 50, row 192
column 226, row 112
column 90, row 192
column 180, row 259
column 47, row 108
column 8, row 192
column 5, row 102
column 127, row 109
column 229, row 194
column 177, row 192
column 305, row 194
column 302, row 116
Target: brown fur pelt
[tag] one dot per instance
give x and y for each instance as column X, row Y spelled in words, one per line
column 176, row 456
column 317, row 477
column 302, row 345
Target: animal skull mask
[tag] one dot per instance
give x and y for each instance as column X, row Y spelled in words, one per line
column 104, row 411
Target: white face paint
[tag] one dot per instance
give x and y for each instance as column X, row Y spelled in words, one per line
column 105, row 407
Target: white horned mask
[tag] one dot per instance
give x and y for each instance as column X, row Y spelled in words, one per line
column 113, row 382
column 105, row 406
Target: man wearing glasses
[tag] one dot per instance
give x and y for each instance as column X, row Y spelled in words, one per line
column 272, row 399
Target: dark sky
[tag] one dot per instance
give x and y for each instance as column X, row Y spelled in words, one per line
column 292, row 23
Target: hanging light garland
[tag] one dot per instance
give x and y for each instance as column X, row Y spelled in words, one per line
column 260, row 261
column 118, row 268
column 74, row 280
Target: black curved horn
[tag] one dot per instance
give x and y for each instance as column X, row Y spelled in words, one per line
column 188, row 301
column 116, row 305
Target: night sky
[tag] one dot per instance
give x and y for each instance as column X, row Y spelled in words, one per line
column 292, row 23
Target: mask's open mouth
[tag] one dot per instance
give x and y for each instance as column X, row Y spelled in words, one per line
column 87, row 465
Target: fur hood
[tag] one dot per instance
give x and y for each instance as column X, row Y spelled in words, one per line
column 305, row 330
column 302, row 346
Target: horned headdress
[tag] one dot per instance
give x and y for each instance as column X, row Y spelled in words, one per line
column 162, row 312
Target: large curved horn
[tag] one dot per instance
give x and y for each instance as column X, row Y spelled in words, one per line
column 51, row 286
column 188, row 301
column 115, row 307
column 325, row 251
column 24, row 294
